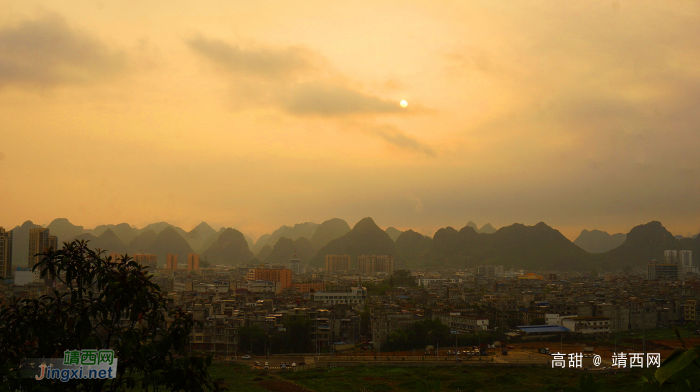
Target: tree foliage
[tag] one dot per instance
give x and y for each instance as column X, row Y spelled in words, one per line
column 109, row 305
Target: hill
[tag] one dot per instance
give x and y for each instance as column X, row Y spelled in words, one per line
column 20, row 244
column 200, row 236
column 328, row 231
column 170, row 241
column 393, row 232
column 596, row 241
column 537, row 247
column 160, row 226
column 487, row 229
column 142, row 242
column 285, row 249
column 411, row 248
column 305, row 229
column 365, row 238
column 229, row 248
column 643, row 243
column 124, row 231
column 64, row 230
column 262, row 241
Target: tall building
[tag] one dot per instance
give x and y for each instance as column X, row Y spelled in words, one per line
column 147, row 260
column 282, row 275
column 5, row 253
column 171, row 261
column 295, row 266
column 192, row 262
column 39, row 242
column 374, row 263
column 662, row 270
column 670, row 256
column 685, row 257
column 490, row 271
column 337, row 263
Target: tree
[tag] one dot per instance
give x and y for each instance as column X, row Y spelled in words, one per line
column 110, row 305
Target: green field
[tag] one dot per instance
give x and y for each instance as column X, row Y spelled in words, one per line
column 386, row 379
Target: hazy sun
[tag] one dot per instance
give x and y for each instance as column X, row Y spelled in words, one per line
column 403, row 103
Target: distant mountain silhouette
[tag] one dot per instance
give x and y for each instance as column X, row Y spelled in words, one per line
column 124, row 231
column 487, row 229
column 285, row 248
column 160, row 226
column 20, row 244
column 328, row 231
column 596, row 241
column 393, row 232
column 679, row 237
column 142, row 242
column 229, row 248
column 262, row 241
column 305, row 229
column 249, row 240
column 64, row 230
column 516, row 246
column 411, row 248
column 643, row 244
column 199, row 237
column 265, row 251
column 365, row 238
column 170, row 241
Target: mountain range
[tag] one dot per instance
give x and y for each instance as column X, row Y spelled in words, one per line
column 538, row 247
column 596, row 241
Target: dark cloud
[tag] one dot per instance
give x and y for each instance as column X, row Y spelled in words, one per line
column 332, row 100
column 280, row 63
column 396, row 138
column 47, row 52
column 295, row 79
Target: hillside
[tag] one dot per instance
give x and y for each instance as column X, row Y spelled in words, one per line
column 64, row 230
column 167, row 241
column 229, row 248
column 124, row 231
column 538, row 247
column 596, row 241
column 20, row 243
column 365, row 238
column 393, row 232
column 285, row 248
column 200, row 238
column 644, row 243
column 328, row 231
column 262, row 241
column 411, row 248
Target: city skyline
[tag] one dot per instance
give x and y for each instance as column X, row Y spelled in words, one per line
column 255, row 116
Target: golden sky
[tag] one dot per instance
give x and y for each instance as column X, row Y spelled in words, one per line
column 255, row 114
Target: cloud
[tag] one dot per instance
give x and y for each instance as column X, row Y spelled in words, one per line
column 395, row 137
column 294, row 79
column 47, row 52
column 324, row 99
column 266, row 63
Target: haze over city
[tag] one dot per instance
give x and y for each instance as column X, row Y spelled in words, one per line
column 258, row 114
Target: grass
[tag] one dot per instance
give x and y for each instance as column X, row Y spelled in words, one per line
column 365, row 378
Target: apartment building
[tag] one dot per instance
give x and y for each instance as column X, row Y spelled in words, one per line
column 337, row 263
column 375, row 263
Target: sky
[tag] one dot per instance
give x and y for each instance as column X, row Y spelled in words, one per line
column 252, row 115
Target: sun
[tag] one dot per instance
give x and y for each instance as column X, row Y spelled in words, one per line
column 403, row 103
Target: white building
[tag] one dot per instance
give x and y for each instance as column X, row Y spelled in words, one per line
column 587, row 325
column 461, row 323
column 353, row 296
column 489, row 271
